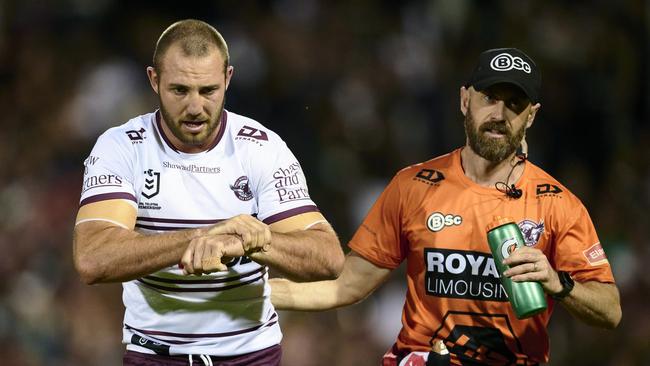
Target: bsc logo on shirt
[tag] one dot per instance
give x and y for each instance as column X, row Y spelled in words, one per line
column 438, row 221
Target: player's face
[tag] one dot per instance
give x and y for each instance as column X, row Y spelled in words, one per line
column 191, row 91
column 496, row 121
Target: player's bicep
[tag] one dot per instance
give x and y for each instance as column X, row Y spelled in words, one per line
column 302, row 221
column 118, row 212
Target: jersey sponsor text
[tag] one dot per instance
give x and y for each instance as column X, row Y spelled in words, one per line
column 288, row 185
column 462, row 274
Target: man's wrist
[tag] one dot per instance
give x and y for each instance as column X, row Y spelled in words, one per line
column 567, row 285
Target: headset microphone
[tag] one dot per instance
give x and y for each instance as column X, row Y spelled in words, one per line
column 513, row 192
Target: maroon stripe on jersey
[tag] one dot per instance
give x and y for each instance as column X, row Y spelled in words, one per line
column 163, row 228
column 292, row 212
column 107, row 196
column 201, row 289
column 178, row 221
column 272, row 320
column 161, row 133
column 222, row 129
column 206, row 281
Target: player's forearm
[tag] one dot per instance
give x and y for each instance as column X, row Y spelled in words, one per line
column 306, row 296
column 304, row 255
column 595, row 303
column 106, row 253
column 358, row 280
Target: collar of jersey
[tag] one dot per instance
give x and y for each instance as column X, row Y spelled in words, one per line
column 457, row 169
column 170, row 146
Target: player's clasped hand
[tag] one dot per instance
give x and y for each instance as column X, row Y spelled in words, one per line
column 207, row 254
column 530, row 264
column 255, row 234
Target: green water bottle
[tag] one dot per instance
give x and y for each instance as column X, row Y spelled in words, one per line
column 527, row 298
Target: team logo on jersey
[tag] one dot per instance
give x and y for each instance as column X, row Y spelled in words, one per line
column 241, row 189
column 151, row 183
column 531, row 231
column 462, row 274
column 429, row 176
column 136, row 137
column 438, row 221
column 548, row 189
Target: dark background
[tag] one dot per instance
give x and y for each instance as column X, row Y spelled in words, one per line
column 358, row 90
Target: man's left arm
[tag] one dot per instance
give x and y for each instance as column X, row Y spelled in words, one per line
column 595, row 303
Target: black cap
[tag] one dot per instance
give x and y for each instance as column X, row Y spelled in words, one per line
column 507, row 65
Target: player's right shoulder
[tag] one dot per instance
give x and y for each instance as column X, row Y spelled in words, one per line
column 133, row 132
column 430, row 172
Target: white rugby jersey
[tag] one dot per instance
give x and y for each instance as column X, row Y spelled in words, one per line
column 248, row 170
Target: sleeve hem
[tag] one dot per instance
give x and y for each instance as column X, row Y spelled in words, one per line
column 107, row 196
column 289, row 213
column 373, row 260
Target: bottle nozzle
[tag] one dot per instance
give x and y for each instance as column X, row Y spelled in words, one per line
column 439, row 348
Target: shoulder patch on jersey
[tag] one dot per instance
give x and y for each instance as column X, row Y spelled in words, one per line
column 429, row 176
column 595, row 255
column 136, row 136
column 247, row 133
column 290, row 183
column 547, row 189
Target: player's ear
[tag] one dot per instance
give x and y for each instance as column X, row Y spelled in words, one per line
column 229, row 72
column 464, row 100
column 531, row 114
column 153, row 78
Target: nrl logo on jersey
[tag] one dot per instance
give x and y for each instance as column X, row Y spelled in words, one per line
column 136, row 136
column 241, row 189
column 151, row 183
column 531, row 231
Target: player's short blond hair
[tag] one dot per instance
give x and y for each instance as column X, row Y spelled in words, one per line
column 195, row 38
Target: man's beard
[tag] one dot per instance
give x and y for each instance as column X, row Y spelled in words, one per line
column 188, row 138
column 492, row 149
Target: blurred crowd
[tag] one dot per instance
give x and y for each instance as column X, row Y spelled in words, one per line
column 358, row 90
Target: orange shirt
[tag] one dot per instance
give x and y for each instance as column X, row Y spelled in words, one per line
column 435, row 218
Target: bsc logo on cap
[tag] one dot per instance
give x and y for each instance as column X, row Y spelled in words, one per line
column 506, row 62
